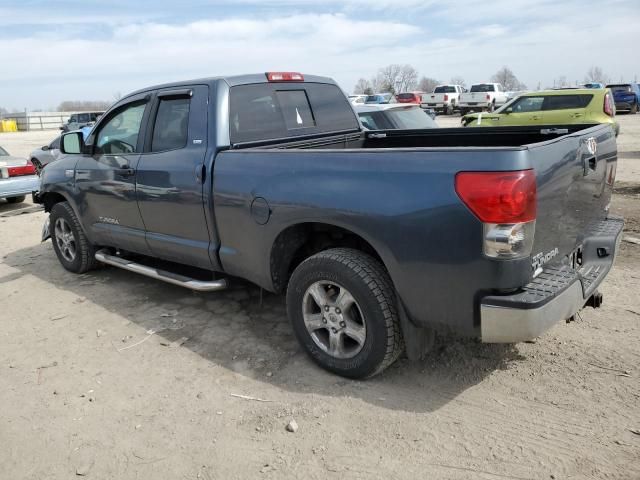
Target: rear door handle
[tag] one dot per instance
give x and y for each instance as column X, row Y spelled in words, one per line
column 125, row 172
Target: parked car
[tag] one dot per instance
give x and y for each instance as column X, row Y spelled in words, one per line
column 377, row 241
column 593, row 85
column 46, row 154
column 394, row 116
column 17, row 177
column 551, row 107
column 78, row 120
column 482, row 96
column 626, row 96
column 357, row 99
column 444, row 99
column 410, row 97
column 380, row 98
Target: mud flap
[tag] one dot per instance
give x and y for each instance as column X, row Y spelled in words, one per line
column 418, row 341
column 46, row 234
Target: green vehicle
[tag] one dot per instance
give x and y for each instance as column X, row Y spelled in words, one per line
column 551, row 107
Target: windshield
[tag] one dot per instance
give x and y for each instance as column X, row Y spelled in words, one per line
column 397, row 118
column 3, row 152
column 620, row 88
column 445, row 89
column 483, row 87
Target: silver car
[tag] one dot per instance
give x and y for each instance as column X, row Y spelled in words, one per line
column 17, row 177
column 46, row 154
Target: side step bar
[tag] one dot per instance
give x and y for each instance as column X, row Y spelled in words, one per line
column 198, row 285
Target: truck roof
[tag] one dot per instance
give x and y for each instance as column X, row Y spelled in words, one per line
column 232, row 81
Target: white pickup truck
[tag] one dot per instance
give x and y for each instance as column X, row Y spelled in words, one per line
column 445, row 98
column 482, row 96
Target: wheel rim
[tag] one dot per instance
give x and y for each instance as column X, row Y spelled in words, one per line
column 334, row 319
column 65, row 240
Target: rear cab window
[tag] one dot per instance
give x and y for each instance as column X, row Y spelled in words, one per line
column 273, row 111
column 483, row 87
column 445, row 89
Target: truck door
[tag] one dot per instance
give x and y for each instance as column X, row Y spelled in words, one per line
column 170, row 180
column 105, row 180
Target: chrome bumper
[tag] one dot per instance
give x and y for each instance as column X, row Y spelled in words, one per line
column 511, row 325
column 18, row 186
column 556, row 294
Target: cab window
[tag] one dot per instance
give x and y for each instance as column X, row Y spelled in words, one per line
column 565, row 102
column 171, row 124
column 120, row 133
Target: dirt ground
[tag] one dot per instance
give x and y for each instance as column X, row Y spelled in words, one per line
column 110, row 375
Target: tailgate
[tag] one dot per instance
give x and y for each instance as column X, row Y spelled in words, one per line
column 575, row 175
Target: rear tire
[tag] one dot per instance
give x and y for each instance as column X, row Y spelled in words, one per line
column 19, row 199
column 72, row 247
column 634, row 109
column 491, row 107
column 342, row 307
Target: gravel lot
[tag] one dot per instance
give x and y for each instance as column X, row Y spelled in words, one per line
column 111, row 375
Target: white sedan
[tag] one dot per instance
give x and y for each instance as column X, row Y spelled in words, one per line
column 17, row 177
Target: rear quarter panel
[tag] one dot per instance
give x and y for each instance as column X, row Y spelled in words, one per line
column 402, row 201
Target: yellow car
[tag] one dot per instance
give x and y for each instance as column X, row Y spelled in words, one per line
column 551, row 107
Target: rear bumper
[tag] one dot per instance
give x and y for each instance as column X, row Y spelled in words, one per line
column 558, row 293
column 624, row 105
column 18, row 186
column 472, row 105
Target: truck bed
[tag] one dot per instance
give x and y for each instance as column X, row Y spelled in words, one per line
column 396, row 190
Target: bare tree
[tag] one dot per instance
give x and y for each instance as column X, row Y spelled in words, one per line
column 458, row 81
column 508, row 79
column 395, row 78
column 596, row 74
column 363, row 87
column 379, row 84
column 427, row 84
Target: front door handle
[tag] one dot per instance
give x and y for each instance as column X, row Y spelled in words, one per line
column 125, row 172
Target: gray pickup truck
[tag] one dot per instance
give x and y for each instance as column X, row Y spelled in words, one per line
column 378, row 238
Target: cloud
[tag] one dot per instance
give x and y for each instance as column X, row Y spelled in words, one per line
column 92, row 52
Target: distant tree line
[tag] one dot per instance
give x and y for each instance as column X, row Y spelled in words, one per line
column 397, row 78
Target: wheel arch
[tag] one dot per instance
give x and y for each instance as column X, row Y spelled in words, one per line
column 297, row 242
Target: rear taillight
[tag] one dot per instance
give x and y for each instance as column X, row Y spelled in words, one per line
column 285, row 77
column 27, row 169
column 608, row 105
column 488, row 97
column 505, row 202
column 446, row 97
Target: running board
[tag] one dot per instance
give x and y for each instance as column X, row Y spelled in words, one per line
column 191, row 283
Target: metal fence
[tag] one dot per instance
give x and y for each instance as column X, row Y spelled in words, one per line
column 27, row 121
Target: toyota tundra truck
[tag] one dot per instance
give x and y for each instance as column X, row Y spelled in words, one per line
column 377, row 238
column 481, row 97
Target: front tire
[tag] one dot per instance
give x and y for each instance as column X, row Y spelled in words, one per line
column 342, row 307
column 19, row 199
column 72, row 247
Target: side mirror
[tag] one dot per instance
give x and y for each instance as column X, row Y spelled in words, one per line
column 44, row 148
column 72, row 143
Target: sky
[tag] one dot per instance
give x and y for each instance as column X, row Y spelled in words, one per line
column 56, row 50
